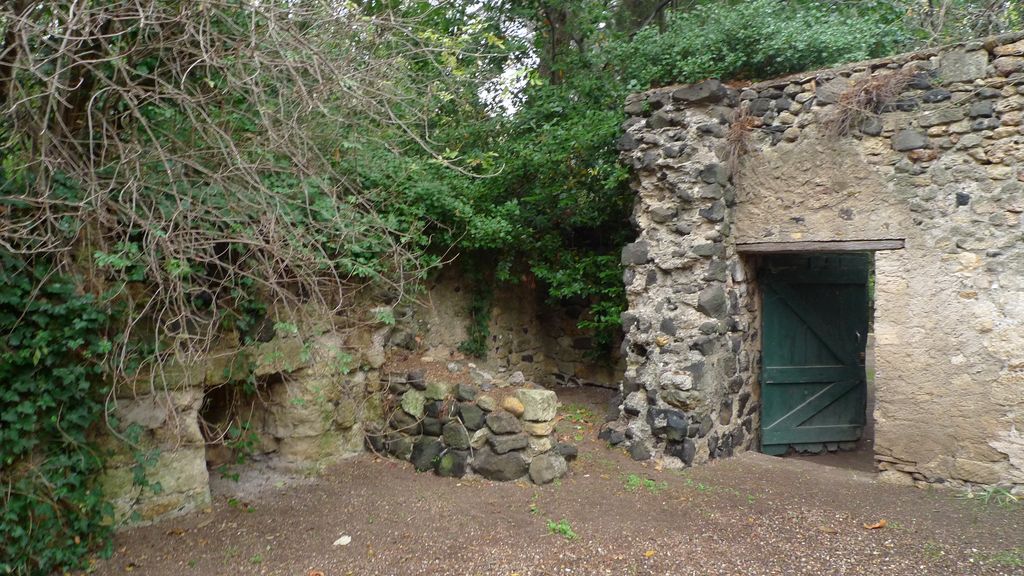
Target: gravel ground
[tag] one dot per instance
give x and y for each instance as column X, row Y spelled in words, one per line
column 747, row 515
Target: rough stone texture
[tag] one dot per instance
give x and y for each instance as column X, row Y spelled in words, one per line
column 513, row 406
column 542, row 342
column 182, row 475
column 487, row 403
column 502, row 467
column 539, row 445
column 466, row 392
column 471, row 415
column 568, row 451
column 508, row 442
column 455, row 435
column 539, row 428
column 963, row 66
column 453, row 464
column 502, row 422
column 425, row 453
column 538, row 405
column 547, row 468
column 949, row 317
column 438, row 390
column 905, row 140
column 479, row 438
column 413, row 402
column 315, row 414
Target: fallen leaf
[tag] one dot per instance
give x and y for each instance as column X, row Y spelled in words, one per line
column 315, row 573
column 649, row 553
column 345, row 540
column 829, row 529
column 176, row 531
column 658, row 466
column 876, row 525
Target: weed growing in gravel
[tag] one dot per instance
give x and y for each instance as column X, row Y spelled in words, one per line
column 933, row 550
column 993, row 495
column 708, row 488
column 1014, row 557
column 534, row 509
column 699, row 486
column 236, row 503
column 578, row 414
column 634, row 483
column 562, row 528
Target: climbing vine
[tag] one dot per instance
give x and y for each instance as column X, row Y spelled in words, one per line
column 51, row 352
column 478, row 330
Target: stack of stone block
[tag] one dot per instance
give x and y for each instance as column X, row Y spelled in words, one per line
column 455, row 430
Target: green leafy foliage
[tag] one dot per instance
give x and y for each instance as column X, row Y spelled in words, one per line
column 479, row 329
column 542, row 197
column 50, row 365
column 634, row 483
column 562, row 528
column 752, row 40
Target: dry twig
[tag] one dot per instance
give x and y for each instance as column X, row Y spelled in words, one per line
column 864, row 99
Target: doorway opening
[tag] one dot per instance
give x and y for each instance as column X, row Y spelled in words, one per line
column 816, row 359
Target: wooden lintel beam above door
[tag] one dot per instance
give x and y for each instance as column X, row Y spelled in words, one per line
column 820, row 246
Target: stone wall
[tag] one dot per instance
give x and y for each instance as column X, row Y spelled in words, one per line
column 934, row 156
column 454, row 430
column 168, row 426
column 311, row 401
column 527, row 334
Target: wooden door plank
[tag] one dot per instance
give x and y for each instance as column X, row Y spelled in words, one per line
column 849, row 276
column 816, row 403
column 807, row 434
column 827, row 333
column 807, row 374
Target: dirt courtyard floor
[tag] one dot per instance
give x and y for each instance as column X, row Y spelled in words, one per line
column 747, row 515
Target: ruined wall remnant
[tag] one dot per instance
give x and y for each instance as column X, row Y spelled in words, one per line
column 939, row 163
column 305, row 402
column 527, row 334
column 169, row 428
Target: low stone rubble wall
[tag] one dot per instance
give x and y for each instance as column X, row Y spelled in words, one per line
column 456, row 430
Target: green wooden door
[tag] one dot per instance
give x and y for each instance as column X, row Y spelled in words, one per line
column 814, row 330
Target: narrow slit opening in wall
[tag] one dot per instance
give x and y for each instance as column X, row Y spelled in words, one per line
column 817, row 357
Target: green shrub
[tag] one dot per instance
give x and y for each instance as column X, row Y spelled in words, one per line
column 752, row 40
